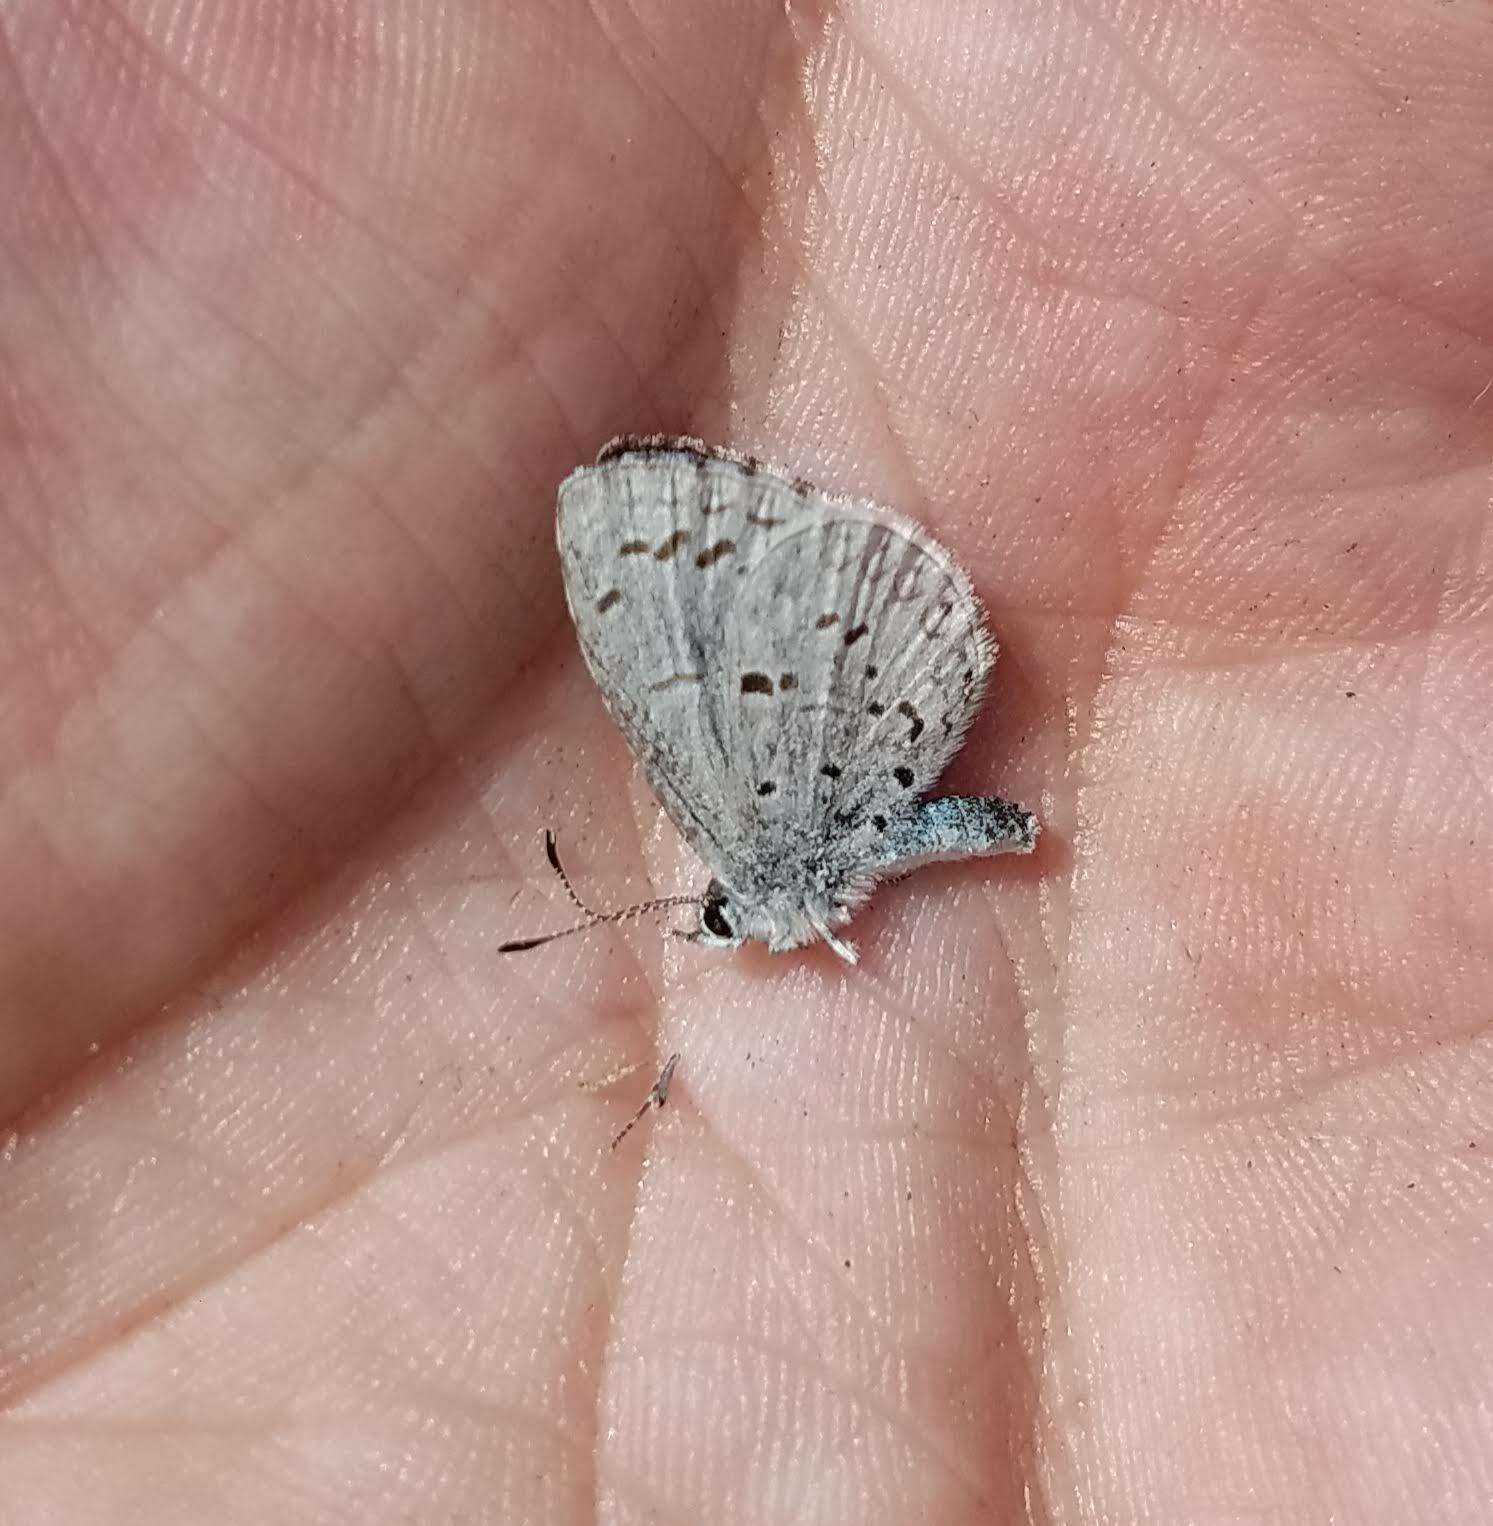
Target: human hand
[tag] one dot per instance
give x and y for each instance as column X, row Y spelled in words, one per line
column 1143, row 1181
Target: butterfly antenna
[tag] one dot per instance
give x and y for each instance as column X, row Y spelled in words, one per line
column 592, row 918
column 552, row 853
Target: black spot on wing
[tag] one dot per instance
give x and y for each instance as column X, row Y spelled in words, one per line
column 830, row 770
column 608, row 600
column 854, row 634
column 712, row 554
column 824, row 622
column 756, row 683
column 909, row 710
column 903, row 775
column 875, row 708
column 767, row 787
column 667, row 549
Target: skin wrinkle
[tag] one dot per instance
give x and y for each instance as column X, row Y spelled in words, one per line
column 1036, row 1253
column 209, row 563
column 1040, row 273
column 1456, row 614
column 1184, row 458
column 380, row 655
column 655, row 86
column 315, row 189
column 48, row 151
column 1399, row 803
column 896, row 1132
column 587, row 1237
column 369, row 415
column 156, row 1427
column 612, row 1477
column 377, row 500
column 770, row 1200
column 204, row 492
column 1352, row 1223
column 1308, row 27
column 394, row 384
column 483, row 1411
column 1307, row 1088
column 944, row 152
column 1396, row 298
column 15, row 795
column 894, row 1003
column 14, row 787
column 709, row 290
column 67, row 1356
column 901, row 470
column 221, row 754
column 827, row 1378
column 1422, row 715
column 397, row 373
column 776, row 1206
column 242, row 1253
column 487, row 309
column 41, row 563
column 655, row 89
column 807, row 277
column 1128, row 63
column 62, row 328
column 582, row 298
column 1306, row 654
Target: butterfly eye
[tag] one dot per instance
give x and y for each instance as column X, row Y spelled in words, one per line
column 715, row 921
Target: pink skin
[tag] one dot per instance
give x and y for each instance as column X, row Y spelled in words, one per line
column 1145, row 1180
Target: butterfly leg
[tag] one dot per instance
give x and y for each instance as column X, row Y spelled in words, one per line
column 957, row 826
column 655, row 1098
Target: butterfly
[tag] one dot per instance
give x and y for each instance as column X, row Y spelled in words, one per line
column 792, row 669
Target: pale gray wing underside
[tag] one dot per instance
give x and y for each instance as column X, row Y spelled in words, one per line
column 791, row 669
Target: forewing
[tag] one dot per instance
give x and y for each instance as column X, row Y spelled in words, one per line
column 654, row 546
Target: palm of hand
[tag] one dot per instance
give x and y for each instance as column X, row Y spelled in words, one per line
column 1142, row 1182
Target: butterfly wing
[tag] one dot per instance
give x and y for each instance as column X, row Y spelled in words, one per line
column 653, row 543
column 879, row 655
column 789, row 668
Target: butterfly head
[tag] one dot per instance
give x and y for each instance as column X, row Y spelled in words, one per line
column 726, row 921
